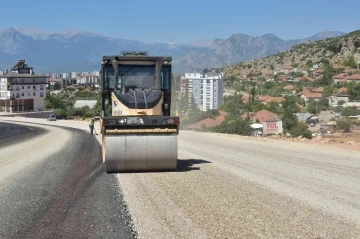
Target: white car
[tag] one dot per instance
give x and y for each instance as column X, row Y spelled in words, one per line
column 51, row 117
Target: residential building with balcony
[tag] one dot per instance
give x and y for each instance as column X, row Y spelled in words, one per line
column 21, row 90
column 206, row 88
column 73, row 75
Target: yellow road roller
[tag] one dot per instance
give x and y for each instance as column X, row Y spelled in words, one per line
column 138, row 131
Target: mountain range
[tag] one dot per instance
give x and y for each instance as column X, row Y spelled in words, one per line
column 81, row 51
column 343, row 51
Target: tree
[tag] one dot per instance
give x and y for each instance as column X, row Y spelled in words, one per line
column 338, row 109
column 301, row 101
column 291, row 122
column 253, row 93
column 314, row 106
column 350, row 62
column 269, row 85
column 60, row 113
column 350, row 111
column 97, row 106
column 327, row 78
column 289, row 118
column 231, row 79
column 274, row 107
column 328, row 91
column 55, row 102
column 57, row 86
column 234, row 126
column 254, row 106
column 212, row 113
column 309, row 63
column 353, row 89
column 341, row 102
column 301, row 129
column 343, row 125
column 325, row 61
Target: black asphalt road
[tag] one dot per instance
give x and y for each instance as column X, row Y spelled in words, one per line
column 68, row 195
column 14, row 133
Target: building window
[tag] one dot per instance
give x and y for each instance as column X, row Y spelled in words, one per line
column 34, row 94
column 41, row 94
column 22, row 87
column 22, row 94
column 28, row 87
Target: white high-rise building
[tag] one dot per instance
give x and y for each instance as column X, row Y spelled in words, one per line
column 205, row 87
column 73, row 75
column 95, row 73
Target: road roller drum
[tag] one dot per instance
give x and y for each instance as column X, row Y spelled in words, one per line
column 132, row 153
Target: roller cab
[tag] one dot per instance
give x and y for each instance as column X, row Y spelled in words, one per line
column 138, row 131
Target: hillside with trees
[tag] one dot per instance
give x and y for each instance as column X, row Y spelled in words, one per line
column 334, row 51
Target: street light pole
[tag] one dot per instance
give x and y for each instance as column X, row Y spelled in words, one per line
column 316, row 100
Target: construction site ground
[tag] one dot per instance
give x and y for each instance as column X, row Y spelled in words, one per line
column 225, row 186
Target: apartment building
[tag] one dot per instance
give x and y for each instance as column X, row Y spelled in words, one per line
column 87, row 79
column 22, row 89
column 73, row 75
column 205, row 87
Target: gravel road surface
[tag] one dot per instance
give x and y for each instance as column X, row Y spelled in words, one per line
column 234, row 188
column 230, row 187
column 54, row 186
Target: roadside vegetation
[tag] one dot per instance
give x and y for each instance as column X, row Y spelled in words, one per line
column 246, row 97
column 63, row 103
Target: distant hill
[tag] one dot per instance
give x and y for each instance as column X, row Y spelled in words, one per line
column 73, row 50
column 338, row 50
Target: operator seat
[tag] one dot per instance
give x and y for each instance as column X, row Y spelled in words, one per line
column 138, row 98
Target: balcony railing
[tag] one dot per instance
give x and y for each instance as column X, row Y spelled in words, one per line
column 28, row 83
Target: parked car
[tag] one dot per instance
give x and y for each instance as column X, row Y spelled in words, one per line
column 51, row 117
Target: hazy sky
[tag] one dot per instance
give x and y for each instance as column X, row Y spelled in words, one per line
column 184, row 20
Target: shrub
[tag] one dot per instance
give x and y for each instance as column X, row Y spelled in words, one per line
column 343, row 125
column 60, row 113
column 301, row 129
